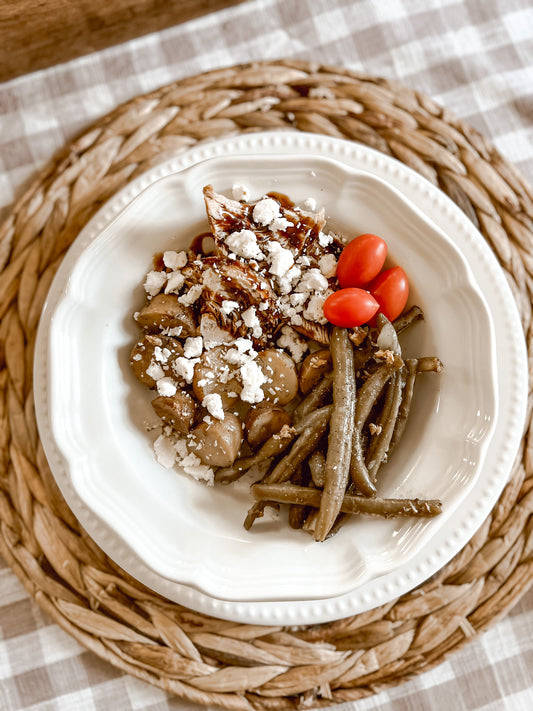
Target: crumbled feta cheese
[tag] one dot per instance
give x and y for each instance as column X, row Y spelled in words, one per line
column 184, row 367
column 154, row 282
column 290, row 340
column 298, row 299
column 174, row 282
column 166, row 387
column 137, row 356
column 228, row 306
column 192, row 295
column 161, row 354
column 241, row 353
column 252, row 322
column 165, row 451
column 288, row 279
column 304, row 260
column 244, row 243
column 328, row 265
column 213, row 404
column 252, row 379
column 314, row 311
column 193, row 347
column 281, row 259
column 310, row 203
column 192, row 465
column 240, row 192
column 265, row 211
column 280, row 224
column 173, row 331
column 312, row 280
column 324, row 240
column 174, row 260
column 155, row 371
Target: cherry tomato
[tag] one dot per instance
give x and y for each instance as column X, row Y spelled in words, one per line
column 390, row 289
column 361, row 260
column 350, row 307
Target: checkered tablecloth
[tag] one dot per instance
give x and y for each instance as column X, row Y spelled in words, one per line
column 475, row 57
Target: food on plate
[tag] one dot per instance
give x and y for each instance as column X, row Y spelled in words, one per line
column 391, row 290
column 271, row 347
column 361, row 260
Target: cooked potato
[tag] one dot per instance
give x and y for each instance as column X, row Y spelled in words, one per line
column 313, row 369
column 217, row 443
column 178, row 411
column 143, row 354
column 262, row 421
column 282, row 378
column 165, row 311
column 213, row 374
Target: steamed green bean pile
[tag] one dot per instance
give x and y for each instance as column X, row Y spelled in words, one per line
column 325, row 466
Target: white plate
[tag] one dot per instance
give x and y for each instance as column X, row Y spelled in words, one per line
column 90, row 303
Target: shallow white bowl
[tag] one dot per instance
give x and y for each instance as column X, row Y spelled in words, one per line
column 92, row 415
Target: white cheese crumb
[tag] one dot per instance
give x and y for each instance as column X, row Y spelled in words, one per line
column 280, row 224
column 165, row 452
column 244, row 243
column 252, row 379
column 137, row 356
column 173, row 331
column 314, row 311
column 161, row 354
column 193, row 347
column 265, row 211
column 289, row 278
column 155, row 371
column 192, row 295
column 228, row 306
column 174, row 282
column 290, row 340
column 184, row 367
column 240, row 192
column 192, row 465
column 281, row 259
column 324, row 240
column 154, row 282
column 213, row 404
column 312, row 280
column 310, row 203
column 328, row 265
column 174, row 260
column 252, row 322
column 304, row 260
column 166, row 387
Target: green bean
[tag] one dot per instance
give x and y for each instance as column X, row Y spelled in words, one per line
column 339, row 445
column 429, row 364
column 298, row 512
column 378, row 452
column 411, row 316
column 302, row 447
column 275, row 445
column 384, row 508
column 317, row 467
column 367, row 396
column 405, row 406
column 285, row 468
column 314, row 399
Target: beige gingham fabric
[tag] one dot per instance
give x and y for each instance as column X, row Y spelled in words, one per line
column 475, row 57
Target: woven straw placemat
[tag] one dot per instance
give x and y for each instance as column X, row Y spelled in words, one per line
column 193, row 656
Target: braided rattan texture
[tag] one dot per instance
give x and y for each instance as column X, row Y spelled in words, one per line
column 193, row 656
